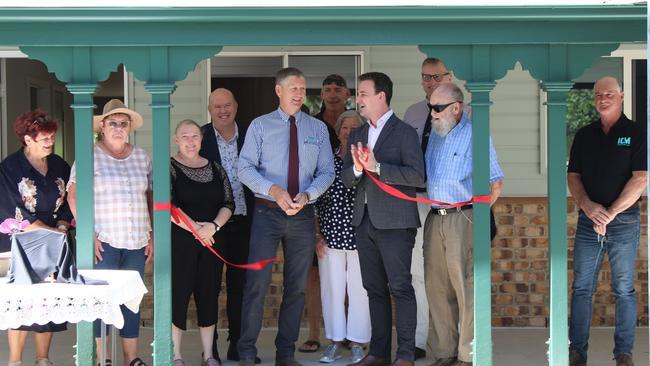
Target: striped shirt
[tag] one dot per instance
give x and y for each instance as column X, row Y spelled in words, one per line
column 263, row 160
column 121, row 211
column 448, row 162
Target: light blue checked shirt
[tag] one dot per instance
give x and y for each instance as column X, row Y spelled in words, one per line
column 448, row 162
column 264, row 158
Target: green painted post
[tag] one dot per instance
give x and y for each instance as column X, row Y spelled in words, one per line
column 160, row 105
column 481, row 184
column 84, row 139
column 558, row 350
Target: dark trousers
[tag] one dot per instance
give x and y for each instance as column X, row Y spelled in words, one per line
column 385, row 258
column 297, row 234
column 236, row 236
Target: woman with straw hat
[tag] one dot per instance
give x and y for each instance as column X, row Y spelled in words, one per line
column 123, row 203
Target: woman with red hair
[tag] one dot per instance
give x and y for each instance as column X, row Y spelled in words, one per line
column 32, row 184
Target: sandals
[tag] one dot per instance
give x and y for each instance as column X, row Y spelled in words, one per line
column 179, row 362
column 137, row 362
column 108, row 362
column 310, row 346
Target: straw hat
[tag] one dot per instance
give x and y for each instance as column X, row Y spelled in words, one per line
column 116, row 106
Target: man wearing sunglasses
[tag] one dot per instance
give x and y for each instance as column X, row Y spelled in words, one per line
column 418, row 116
column 448, row 240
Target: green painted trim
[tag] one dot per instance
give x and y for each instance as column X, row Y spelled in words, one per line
column 328, row 14
column 481, row 217
column 83, row 130
column 162, row 342
column 363, row 25
column 558, row 351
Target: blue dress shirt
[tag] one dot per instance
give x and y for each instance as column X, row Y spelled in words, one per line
column 448, row 162
column 264, row 158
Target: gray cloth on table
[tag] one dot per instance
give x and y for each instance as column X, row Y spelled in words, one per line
column 37, row 254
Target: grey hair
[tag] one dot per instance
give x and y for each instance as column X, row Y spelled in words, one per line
column 345, row 115
column 286, row 73
column 452, row 90
column 186, row 122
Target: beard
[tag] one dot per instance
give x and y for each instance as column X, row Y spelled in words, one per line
column 442, row 127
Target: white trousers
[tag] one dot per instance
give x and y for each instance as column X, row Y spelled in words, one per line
column 340, row 270
column 417, row 274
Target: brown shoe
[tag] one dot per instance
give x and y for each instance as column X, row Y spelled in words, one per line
column 402, row 362
column 371, row 360
column 624, row 359
column 444, row 361
column 461, row 363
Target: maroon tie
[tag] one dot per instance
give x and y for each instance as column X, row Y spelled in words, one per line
column 292, row 179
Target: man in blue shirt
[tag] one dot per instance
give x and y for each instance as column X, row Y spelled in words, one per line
column 448, row 241
column 287, row 162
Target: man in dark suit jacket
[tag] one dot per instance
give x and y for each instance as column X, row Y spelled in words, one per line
column 222, row 142
column 385, row 225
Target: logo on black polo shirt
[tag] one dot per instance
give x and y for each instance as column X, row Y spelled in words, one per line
column 624, row 141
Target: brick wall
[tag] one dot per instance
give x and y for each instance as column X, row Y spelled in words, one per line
column 520, row 277
column 520, row 272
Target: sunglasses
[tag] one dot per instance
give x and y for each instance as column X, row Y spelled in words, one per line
column 436, row 77
column 440, row 107
column 114, row 124
column 39, row 120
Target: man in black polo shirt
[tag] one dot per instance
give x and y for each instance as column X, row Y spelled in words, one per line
column 607, row 174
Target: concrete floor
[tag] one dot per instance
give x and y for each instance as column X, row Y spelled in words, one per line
column 512, row 347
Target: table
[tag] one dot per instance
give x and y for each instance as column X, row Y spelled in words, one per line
column 62, row 302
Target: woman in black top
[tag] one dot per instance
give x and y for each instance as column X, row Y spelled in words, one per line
column 32, row 187
column 201, row 190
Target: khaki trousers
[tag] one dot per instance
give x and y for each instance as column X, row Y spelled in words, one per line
column 448, row 268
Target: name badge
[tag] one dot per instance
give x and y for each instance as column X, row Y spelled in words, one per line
column 312, row 140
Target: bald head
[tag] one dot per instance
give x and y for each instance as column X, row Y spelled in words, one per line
column 608, row 98
column 223, row 108
column 451, row 91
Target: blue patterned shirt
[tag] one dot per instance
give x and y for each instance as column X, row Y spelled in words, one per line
column 448, row 162
column 264, row 158
column 229, row 159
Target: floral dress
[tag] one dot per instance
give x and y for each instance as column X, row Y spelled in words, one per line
column 29, row 195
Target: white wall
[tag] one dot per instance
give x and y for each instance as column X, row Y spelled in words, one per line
column 189, row 101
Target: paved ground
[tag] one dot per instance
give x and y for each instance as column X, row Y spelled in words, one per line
column 512, row 347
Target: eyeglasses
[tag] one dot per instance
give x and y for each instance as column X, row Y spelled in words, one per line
column 38, row 121
column 440, row 107
column 436, row 77
column 51, row 138
column 115, row 124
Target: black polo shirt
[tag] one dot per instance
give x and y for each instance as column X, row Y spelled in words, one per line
column 605, row 162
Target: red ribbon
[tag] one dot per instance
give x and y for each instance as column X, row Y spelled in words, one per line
column 178, row 216
column 399, row 194
column 162, row 206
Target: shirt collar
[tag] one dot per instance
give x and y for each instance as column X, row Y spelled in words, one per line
column 234, row 138
column 285, row 117
column 460, row 126
column 382, row 120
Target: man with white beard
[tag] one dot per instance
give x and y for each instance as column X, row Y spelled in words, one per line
column 448, row 244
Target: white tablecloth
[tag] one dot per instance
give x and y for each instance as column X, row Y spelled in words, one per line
column 59, row 302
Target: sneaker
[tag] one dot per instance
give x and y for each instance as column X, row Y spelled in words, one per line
column 357, row 353
column 43, row 362
column 331, row 354
column 576, row 359
column 210, row 362
column 624, row 359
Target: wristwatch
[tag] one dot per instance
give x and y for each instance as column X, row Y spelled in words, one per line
column 217, row 227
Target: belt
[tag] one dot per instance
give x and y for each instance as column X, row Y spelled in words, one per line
column 266, row 203
column 447, row 211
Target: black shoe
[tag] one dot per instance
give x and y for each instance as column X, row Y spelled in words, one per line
column 247, row 361
column 286, row 361
column 233, row 354
column 576, row 359
column 420, row 353
column 624, row 359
